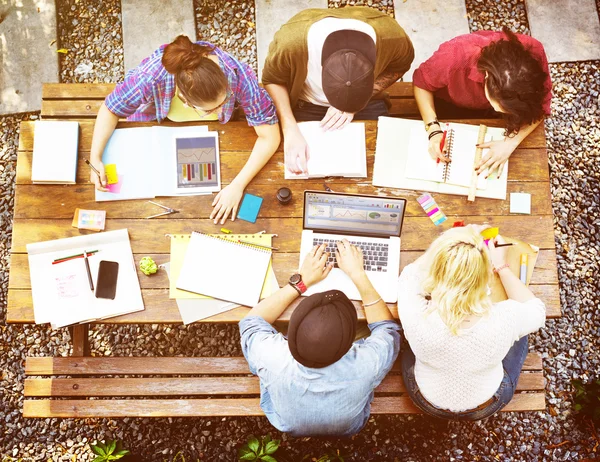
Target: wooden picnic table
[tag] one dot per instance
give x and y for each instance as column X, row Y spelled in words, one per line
column 44, row 212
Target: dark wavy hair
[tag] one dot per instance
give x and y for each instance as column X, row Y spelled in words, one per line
column 199, row 79
column 515, row 79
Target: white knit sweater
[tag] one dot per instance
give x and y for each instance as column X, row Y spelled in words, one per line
column 460, row 372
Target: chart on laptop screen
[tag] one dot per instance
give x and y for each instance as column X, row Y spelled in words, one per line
column 359, row 214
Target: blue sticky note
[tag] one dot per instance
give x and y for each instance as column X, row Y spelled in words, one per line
column 250, row 207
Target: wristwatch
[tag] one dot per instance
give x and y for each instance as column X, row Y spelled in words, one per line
column 297, row 283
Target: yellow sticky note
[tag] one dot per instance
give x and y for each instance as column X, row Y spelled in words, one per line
column 111, row 173
column 489, row 233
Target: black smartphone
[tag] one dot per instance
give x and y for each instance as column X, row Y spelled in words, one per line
column 106, row 285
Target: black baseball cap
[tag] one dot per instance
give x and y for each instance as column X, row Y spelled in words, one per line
column 348, row 60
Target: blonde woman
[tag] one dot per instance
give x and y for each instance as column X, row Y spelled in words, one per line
column 464, row 353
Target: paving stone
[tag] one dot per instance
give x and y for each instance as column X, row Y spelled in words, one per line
column 568, row 29
column 28, row 53
column 271, row 15
column 428, row 24
column 156, row 22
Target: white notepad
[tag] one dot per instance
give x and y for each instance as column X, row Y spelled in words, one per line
column 55, row 152
column 222, row 269
column 335, row 152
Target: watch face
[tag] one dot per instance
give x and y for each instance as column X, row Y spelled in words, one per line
column 295, row 279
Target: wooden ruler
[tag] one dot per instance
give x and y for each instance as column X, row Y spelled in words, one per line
column 478, row 152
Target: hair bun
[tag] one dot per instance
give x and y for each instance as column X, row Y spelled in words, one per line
column 182, row 54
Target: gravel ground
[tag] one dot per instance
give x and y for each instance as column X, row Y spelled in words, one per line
column 385, row 6
column 91, row 32
column 569, row 345
column 230, row 25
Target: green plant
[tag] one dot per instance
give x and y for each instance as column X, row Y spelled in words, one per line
column 111, row 450
column 587, row 399
column 259, row 450
column 179, row 457
column 329, row 456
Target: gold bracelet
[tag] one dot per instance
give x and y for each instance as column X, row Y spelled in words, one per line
column 372, row 303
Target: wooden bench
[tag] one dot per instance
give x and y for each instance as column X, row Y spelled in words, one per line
column 83, row 386
column 224, row 390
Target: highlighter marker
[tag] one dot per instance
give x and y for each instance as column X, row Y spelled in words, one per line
column 523, row 270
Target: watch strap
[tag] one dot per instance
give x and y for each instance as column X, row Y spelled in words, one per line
column 296, row 288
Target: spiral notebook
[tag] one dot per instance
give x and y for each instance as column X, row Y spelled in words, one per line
column 460, row 145
column 223, row 269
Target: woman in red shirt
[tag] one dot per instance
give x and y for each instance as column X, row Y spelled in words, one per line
column 499, row 71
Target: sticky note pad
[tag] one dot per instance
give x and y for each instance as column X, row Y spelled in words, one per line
column 250, row 207
column 520, row 203
column 111, row 173
column 116, row 187
column 490, row 233
column 431, row 209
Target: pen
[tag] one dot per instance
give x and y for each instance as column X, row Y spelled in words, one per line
column 70, row 257
column 258, row 245
column 523, row 271
column 87, row 268
column 442, row 144
column 94, row 169
column 503, row 245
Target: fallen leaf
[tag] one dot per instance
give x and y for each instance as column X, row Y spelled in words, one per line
column 103, row 24
column 52, row 42
column 250, row 24
column 63, row 51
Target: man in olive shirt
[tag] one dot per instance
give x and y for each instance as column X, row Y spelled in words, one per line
column 328, row 65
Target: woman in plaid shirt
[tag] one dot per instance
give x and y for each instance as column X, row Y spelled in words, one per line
column 192, row 81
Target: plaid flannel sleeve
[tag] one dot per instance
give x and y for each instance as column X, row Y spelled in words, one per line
column 254, row 100
column 129, row 95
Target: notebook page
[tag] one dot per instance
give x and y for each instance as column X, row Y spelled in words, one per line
column 334, row 153
column 419, row 164
column 55, row 152
column 225, row 270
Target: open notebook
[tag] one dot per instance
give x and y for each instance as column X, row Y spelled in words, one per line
column 334, row 153
column 460, row 145
column 402, row 160
column 223, row 269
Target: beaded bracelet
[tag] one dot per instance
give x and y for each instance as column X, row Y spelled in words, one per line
column 500, row 268
column 372, row 303
column 434, row 133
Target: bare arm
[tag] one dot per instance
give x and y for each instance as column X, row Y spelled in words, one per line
column 227, row 201
column 426, row 105
column 294, row 145
column 350, row 261
column 104, row 127
column 314, row 269
column 515, row 289
column 384, row 80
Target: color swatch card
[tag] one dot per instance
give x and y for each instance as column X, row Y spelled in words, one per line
column 250, row 207
column 94, row 220
column 432, row 209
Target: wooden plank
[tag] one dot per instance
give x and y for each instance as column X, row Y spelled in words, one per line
column 544, row 273
column 404, row 107
column 197, row 386
column 80, row 339
column 417, row 232
column 60, row 201
column 220, row 407
column 162, row 365
column 159, row 309
column 400, row 90
column 238, row 136
column 76, row 90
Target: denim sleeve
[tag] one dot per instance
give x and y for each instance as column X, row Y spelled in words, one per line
column 383, row 346
column 254, row 330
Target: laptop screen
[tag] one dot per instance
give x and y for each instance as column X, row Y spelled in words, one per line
column 353, row 214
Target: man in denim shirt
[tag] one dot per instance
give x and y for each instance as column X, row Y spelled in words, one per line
column 318, row 381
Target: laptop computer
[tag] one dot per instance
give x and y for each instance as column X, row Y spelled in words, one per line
column 372, row 222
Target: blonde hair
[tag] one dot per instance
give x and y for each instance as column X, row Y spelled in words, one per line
column 459, row 269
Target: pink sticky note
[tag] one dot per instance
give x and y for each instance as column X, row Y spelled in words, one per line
column 116, row 188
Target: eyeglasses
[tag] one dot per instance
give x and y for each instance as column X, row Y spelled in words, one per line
column 204, row 112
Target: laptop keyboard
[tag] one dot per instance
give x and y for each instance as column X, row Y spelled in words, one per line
column 375, row 255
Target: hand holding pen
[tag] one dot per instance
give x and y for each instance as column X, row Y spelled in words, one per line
column 98, row 175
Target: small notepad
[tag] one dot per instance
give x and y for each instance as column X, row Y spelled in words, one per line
column 223, row 269
column 250, row 207
column 55, row 146
column 520, row 203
